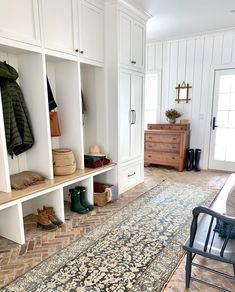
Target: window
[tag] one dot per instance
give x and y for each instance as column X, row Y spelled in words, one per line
column 152, row 96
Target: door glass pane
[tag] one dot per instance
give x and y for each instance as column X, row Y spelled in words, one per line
column 225, row 133
column 224, row 101
column 222, row 118
column 225, row 84
column 232, row 102
column 232, row 120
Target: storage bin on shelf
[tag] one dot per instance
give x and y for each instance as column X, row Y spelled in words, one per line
column 104, row 193
column 64, row 162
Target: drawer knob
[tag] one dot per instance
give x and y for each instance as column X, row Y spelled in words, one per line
column 173, row 157
column 149, row 156
column 174, row 138
column 129, row 175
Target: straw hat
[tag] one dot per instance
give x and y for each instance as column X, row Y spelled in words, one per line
column 95, row 150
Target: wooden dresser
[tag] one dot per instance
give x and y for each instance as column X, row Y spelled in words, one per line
column 166, row 144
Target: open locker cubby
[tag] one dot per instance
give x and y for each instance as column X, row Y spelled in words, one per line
column 88, row 183
column 63, row 76
column 31, row 70
column 94, row 120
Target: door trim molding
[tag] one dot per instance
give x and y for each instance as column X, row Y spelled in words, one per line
column 210, row 101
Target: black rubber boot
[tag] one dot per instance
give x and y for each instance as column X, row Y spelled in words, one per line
column 83, row 199
column 189, row 159
column 197, row 159
column 76, row 205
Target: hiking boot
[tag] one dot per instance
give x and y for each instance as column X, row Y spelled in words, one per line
column 83, row 199
column 52, row 216
column 76, row 205
column 44, row 222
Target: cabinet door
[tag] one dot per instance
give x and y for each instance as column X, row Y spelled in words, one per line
column 19, row 20
column 91, row 32
column 125, row 39
column 138, row 41
column 137, row 114
column 58, row 26
column 124, row 115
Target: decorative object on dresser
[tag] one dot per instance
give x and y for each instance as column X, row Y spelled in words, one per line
column 166, row 144
column 172, row 115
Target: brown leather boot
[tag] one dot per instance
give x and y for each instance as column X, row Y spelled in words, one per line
column 52, row 216
column 44, row 221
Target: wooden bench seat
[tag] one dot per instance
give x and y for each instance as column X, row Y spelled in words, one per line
column 205, row 241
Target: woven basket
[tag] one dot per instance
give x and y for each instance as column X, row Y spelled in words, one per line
column 64, row 162
column 100, row 196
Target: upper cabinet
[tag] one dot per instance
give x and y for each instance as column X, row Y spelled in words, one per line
column 74, row 27
column 91, row 24
column 131, row 42
column 58, row 23
column 19, row 21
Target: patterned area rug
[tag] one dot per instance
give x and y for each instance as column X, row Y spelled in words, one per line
column 136, row 250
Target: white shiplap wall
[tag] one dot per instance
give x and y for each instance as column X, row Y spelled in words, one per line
column 192, row 60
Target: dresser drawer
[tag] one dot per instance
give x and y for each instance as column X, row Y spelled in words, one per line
column 155, row 157
column 162, row 147
column 165, row 138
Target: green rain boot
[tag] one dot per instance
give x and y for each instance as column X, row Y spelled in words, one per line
column 76, row 205
column 83, row 194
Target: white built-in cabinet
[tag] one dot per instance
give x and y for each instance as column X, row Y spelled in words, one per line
column 130, row 108
column 75, row 27
column 42, row 39
column 131, row 42
column 91, row 19
column 125, row 54
column 19, row 21
column 58, row 23
column 64, row 41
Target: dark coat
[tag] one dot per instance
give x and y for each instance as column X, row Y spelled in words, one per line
column 19, row 137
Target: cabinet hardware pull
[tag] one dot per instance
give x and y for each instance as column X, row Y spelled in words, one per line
column 174, row 138
column 133, row 62
column 131, row 174
column 133, row 115
column 81, row 52
column 77, row 50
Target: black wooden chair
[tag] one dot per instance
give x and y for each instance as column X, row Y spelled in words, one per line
column 204, row 241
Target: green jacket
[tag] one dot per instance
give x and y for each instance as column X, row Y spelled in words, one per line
column 19, row 137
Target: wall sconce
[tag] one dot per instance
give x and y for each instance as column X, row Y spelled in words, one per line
column 183, row 92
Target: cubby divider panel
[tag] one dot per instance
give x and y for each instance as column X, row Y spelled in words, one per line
column 11, row 223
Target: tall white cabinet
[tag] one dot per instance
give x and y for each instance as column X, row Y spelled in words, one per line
column 125, row 57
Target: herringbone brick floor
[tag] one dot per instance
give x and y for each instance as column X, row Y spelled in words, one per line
column 16, row 259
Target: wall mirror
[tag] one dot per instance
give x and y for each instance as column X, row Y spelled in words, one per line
column 183, row 92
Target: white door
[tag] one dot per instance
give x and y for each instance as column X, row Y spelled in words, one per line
column 124, row 115
column 91, row 32
column 19, row 20
column 58, row 25
column 136, row 114
column 125, row 39
column 138, row 41
column 222, row 144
